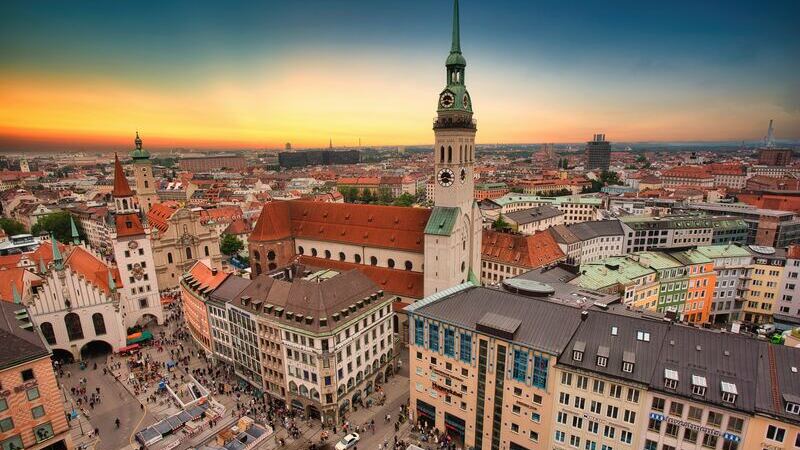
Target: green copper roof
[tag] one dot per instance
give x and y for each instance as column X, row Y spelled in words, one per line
column 723, row 251
column 111, row 284
column 515, row 198
column 442, row 220
column 611, row 271
column 455, row 57
column 139, row 154
column 15, row 293
column 690, row 257
column 656, row 260
column 58, row 260
column 76, row 239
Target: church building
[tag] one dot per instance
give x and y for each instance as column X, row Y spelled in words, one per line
column 407, row 252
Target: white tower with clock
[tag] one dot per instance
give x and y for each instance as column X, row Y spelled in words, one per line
column 453, row 234
column 133, row 253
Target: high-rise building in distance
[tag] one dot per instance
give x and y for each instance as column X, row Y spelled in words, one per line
column 598, row 153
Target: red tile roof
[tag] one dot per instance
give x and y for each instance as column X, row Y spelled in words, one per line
column 206, row 277
column 404, row 283
column 237, row 227
column 159, row 214
column 370, row 225
column 95, row 271
column 519, row 250
column 121, row 187
column 695, row 172
column 9, row 278
column 128, row 225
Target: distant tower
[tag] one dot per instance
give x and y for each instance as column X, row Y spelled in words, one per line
column 769, row 141
column 598, row 153
column 143, row 174
column 330, row 143
column 288, row 146
column 24, row 166
column 76, row 237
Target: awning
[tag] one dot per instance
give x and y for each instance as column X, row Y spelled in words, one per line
column 139, row 337
column 128, row 348
column 699, row 381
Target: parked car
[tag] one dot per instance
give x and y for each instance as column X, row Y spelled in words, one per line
column 348, row 441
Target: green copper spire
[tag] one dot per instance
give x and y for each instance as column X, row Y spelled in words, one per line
column 58, row 260
column 42, row 266
column 76, row 238
column 139, row 155
column 15, row 293
column 456, row 47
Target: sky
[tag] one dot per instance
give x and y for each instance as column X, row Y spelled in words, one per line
column 257, row 74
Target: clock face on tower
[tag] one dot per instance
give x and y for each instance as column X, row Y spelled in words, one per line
column 447, row 99
column 466, row 100
column 463, row 175
column 446, row 177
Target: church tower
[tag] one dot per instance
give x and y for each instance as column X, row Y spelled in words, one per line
column 133, row 254
column 143, row 174
column 453, row 234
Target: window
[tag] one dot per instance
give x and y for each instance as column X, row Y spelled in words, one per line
column 433, row 336
column 536, row 417
column 540, row 371
column 566, row 378
column 520, row 365
column 205, row 250
column 612, row 411
column 14, row 442
column 630, row 416
column 373, row 260
column 73, row 324
column 699, row 385
column 409, row 265
column 466, row 347
column 776, row 434
column 654, row 425
column 735, row 424
column 633, row 395
column 602, row 361
column 625, row 436
column 714, row 419
column 582, row 382
column 690, row 435
column 627, row 367
column 48, row 333
column 560, row 436
column 327, row 254
column 672, row 430
column 37, row 412
column 676, row 409
column 563, row 398
column 188, row 253
column 43, row 432
column 534, row 436
column 515, row 428
column 695, row 414
column 598, row 386
column 27, row 375
column 709, row 441
column 99, row 324
column 658, row 404
column 616, row 391
column 793, row 408
column 6, row 424
column 577, row 355
column 419, row 332
column 450, row 342
column 3, row 404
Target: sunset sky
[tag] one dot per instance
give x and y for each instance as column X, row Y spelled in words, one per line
column 209, row 74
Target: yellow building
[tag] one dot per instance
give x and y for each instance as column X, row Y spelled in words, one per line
column 762, row 286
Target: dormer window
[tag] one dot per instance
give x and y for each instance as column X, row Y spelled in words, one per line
column 792, row 404
column 643, row 336
column 577, row 351
column 699, row 385
column 628, row 361
column 602, row 356
column 670, row 379
column 729, row 392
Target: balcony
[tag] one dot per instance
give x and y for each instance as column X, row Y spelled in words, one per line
column 440, row 123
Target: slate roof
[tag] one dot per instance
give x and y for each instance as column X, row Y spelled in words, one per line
column 19, row 344
column 531, row 215
column 714, row 355
column 597, row 330
column 773, row 392
column 546, row 327
column 585, row 231
column 229, row 289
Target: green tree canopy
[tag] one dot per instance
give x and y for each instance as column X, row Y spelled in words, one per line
column 500, row 224
column 12, row 227
column 404, row 199
column 230, row 244
column 57, row 223
column 385, row 196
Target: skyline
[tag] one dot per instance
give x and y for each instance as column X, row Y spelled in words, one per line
column 257, row 76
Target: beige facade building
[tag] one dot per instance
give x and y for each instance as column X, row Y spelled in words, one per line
column 179, row 240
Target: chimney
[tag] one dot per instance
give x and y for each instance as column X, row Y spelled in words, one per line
column 245, row 300
column 214, row 271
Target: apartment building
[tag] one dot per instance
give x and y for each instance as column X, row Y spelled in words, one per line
column 787, row 308
column 768, row 227
column 196, row 287
column 590, row 241
column 481, row 373
column 676, row 231
column 762, row 287
column 576, row 208
column 731, row 264
column 32, row 413
column 533, row 220
column 505, row 255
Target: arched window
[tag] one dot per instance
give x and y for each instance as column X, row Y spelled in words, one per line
column 258, row 268
column 169, row 258
column 271, row 255
column 99, row 324
column 47, row 332
column 73, row 324
column 341, row 256
column 188, row 253
column 409, row 265
column 125, row 204
column 256, row 255
column 461, row 153
column 313, row 251
column 357, row 258
column 390, row 263
column 449, row 154
column 463, row 266
column 441, row 157
column 327, row 254
column 205, row 250
column 373, row 260
column 301, row 250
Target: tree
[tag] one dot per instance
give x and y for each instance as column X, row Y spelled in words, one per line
column 500, row 224
column 641, row 159
column 12, row 227
column 57, row 223
column 230, row 244
column 385, row 196
column 404, row 199
column 349, row 193
column 367, row 197
column 517, row 190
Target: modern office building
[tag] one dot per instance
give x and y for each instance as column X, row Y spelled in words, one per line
column 598, row 153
